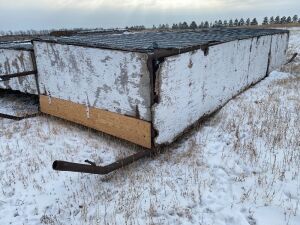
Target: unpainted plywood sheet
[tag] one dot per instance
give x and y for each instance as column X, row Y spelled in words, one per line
column 128, row 128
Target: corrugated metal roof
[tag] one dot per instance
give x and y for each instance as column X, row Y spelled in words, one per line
column 149, row 41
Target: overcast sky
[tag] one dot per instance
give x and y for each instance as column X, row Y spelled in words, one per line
column 46, row 14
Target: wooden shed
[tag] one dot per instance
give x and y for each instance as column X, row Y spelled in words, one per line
column 150, row 87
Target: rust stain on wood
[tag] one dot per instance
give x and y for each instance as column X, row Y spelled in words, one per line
column 128, row 128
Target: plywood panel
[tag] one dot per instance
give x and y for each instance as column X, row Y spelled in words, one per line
column 112, row 80
column 128, row 128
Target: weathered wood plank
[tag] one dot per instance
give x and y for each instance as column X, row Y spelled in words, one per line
column 192, row 85
column 128, row 128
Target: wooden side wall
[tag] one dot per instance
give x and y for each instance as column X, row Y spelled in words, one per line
column 111, row 80
column 192, row 85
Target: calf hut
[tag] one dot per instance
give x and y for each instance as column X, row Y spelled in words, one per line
column 149, row 87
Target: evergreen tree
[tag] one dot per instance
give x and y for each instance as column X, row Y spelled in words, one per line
column 241, row 22
column 230, row 23
column 184, row 25
column 254, row 22
column 175, row 26
column 266, row 21
column 289, row 20
column 283, row 20
column 161, row 27
column 277, row 20
column 201, row 25
column 295, row 18
column 225, row 23
column 299, row 21
column 220, row 23
column 236, row 22
column 215, row 24
column 248, row 22
column 272, row 21
column 206, row 24
column 193, row 25
column 153, row 27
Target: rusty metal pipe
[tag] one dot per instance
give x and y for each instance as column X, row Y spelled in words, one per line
column 93, row 169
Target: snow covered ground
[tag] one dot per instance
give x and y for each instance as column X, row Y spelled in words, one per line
column 241, row 167
column 19, row 105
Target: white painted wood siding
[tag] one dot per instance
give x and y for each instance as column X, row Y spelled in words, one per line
column 116, row 81
column 191, row 85
column 17, row 61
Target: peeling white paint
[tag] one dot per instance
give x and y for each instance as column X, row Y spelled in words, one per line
column 192, row 85
column 17, row 61
column 112, row 80
column 278, row 50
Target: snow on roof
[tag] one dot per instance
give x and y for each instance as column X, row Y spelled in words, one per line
column 149, row 41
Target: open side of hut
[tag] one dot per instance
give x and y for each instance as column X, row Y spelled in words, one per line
column 18, row 81
column 149, row 88
column 17, row 69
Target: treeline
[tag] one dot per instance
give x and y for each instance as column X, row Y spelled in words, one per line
column 25, row 32
column 281, row 20
column 230, row 23
column 47, row 32
column 183, row 25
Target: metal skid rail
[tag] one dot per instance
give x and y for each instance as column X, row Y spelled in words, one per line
column 92, row 168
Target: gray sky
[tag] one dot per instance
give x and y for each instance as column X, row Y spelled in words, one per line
column 46, row 14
